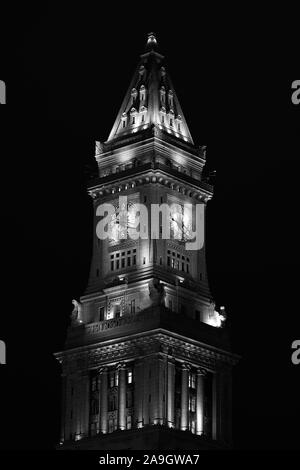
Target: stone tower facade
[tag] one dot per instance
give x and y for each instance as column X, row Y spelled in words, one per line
column 147, row 361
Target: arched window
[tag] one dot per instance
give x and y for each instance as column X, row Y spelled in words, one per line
column 142, row 93
column 162, row 95
column 133, row 94
column 133, row 113
column 124, row 120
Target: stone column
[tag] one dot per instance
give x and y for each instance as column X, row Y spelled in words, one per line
column 122, row 396
column 184, row 422
column 85, row 402
column 171, row 394
column 103, row 400
column 161, row 389
column 200, row 402
column 138, row 393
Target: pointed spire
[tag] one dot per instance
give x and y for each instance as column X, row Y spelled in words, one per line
column 151, row 100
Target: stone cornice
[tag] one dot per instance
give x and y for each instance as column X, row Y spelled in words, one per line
column 141, row 344
column 151, row 173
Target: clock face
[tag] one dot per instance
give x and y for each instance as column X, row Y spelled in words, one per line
column 122, row 219
column 181, row 223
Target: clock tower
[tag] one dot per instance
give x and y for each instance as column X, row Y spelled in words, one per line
column 147, row 361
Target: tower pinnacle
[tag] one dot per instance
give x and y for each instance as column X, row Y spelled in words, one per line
column 151, row 100
column 151, row 42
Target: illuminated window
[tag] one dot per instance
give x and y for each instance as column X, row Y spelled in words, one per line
column 128, row 422
column 192, row 403
column 113, row 379
column 129, row 376
column 192, row 380
column 118, row 260
column 193, row 426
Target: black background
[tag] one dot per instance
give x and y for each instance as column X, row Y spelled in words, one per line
column 66, row 75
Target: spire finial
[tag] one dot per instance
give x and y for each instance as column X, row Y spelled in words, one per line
column 151, row 41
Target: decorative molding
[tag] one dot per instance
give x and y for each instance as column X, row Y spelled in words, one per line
column 196, row 355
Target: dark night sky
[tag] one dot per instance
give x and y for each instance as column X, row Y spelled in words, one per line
column 66, row 78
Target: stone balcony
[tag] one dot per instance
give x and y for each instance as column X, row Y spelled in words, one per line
column 154, row 318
